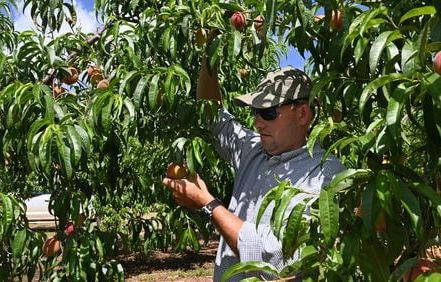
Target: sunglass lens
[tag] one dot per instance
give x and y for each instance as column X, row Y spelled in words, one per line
column 266, row 114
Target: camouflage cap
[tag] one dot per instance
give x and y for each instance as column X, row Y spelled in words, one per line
column 278, row 87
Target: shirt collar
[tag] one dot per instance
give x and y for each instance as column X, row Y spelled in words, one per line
column 285, row 156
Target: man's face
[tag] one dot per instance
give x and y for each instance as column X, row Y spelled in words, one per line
column 286, row 132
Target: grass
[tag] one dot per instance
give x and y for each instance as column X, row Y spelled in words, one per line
column 198, row 274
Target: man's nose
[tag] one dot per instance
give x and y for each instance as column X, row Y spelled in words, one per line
column 259, row 122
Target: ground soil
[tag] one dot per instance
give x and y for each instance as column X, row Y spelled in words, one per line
column 164, row 266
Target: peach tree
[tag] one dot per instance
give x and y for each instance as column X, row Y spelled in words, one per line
column 378, row 81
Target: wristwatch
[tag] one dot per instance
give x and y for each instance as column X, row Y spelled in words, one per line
column 208, row 209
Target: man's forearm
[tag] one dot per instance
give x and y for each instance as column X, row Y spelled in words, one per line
column 208, row 84
column 228, row 225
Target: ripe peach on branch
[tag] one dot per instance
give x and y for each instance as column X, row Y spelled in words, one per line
column 103, row 84
column 73, row 77
column 437, row 63
column 423, row 266
column 238, row 20
column 243, row 72
column 70, row 229
column 51, row 246
column 57, row 91
column 259, row 26
column 91, row 69
column 336, row 21
column 200, row 37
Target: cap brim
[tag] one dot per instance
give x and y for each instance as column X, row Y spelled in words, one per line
column 259, row 100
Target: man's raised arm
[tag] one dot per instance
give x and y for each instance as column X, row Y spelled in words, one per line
column 208, row 84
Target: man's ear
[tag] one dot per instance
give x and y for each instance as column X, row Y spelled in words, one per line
column 304, row 114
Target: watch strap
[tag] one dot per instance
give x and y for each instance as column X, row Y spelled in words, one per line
column 208, row 209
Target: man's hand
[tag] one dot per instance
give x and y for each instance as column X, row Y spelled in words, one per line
column 208, row 85
column 190, row 193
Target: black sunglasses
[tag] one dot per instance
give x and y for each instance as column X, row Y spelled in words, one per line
column 266, row 114
column 271, row 113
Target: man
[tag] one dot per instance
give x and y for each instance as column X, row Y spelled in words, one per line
column 277, row 151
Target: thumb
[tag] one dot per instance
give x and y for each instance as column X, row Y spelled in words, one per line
column 200, row 183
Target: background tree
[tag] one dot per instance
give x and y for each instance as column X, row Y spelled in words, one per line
column 96, row 118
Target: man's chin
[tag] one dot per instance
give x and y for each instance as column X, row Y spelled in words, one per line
column 267, row 150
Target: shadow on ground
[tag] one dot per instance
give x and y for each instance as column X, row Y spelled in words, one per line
column 162, row 262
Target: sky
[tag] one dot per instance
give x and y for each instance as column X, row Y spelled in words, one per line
column 87, row 22
column 85, row 17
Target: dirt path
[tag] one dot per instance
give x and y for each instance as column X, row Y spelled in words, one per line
column 160, row 266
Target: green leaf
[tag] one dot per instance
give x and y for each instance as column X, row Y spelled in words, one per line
column 377, row 83
column 378, row 46
column 237, row 35
column 410, row 62
column 428, row 277
column 410, row 203
column 153, row 91
column 76, row 142
column 433, row 83
column 230, row 6
column 367, row 205
column 138, row 94
column 183, row 238
column 45, row 150
column 64, row 154
column 105, row 112
column 429, row 193
column 329, row 215
column 49, row 107
column 127, row 79
column 320, row 82
column 177, row 69
column 270, row 15
column 374, row 262
column 189, row 158
column 340, row 144
column 196, row 151
column 280, row 207
column 360, row 48
column 290, row 239
column 416, row 12
column 242, row 267
column 343, row 179
column 320, row 130
column 85, row 140
column 402, row 269
column 34, row 129
column 272, row 195
column 99, row 247
column 18, row 244
column 395, row 107
column 50, row 55
column 7, row 213
column 173, row 46
column 194, row 241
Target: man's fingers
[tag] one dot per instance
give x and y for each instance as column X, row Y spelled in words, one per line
column 174, row 184
column 168, row 182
